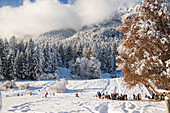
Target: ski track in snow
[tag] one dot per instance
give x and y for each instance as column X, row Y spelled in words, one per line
column 106, row 86
column 85, row 103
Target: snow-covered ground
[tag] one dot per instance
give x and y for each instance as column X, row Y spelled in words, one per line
column 68, row 103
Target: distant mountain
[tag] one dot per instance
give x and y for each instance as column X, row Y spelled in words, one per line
column 108, row 25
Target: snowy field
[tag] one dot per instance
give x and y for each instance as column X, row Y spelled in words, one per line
column 68, row 103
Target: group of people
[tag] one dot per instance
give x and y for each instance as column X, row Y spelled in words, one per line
column 117, row 96
column 157, row 97
column 112, row 96
column 137, row 97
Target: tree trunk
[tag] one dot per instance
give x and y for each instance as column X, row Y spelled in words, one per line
column 167, row 101
column 146, row 82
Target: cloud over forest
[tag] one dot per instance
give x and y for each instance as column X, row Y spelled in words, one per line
column 45, row 15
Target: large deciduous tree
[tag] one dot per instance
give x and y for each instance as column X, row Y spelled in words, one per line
column 145, row 51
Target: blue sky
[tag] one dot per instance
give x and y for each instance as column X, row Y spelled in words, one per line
column 16, row 3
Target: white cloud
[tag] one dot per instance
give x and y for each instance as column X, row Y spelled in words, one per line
column 46, row 15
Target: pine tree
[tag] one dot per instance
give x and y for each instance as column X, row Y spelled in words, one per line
column 25, row 65
column 13, row 45
column 3, row 57
column 47, row 59
column 30, row 50
column 61, row 53
column 85, row 68
column 11, row 69
column 145, row 52
column 6, row 47
column 19, row 65
column 69, row 55
column 79, row 50
column 54, row 58
column 1, row 74
column 38, row 60
column 59, row 60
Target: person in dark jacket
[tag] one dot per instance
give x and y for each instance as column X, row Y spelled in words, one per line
column 134, row 97
column 153, row 95
column 139, row 97
column 99, row 94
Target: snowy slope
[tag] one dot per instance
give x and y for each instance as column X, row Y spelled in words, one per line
column 57, row 35
column 68, row 103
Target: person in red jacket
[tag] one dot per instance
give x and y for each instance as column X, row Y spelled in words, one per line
column 77, row 95
column 46, row 95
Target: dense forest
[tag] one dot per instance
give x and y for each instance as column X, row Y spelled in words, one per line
column 36, row 61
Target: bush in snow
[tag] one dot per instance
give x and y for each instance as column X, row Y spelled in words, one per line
column 9, row 84
column 144, row 53
column 23, row 86
column 86, row 69
column 59, row 86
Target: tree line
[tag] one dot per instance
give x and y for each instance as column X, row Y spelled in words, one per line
column 36, row 61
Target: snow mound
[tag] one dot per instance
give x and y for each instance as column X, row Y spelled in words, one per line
column 59, row 86
column 8, row 85
column 23, row 86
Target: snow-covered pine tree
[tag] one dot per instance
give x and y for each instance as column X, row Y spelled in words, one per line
column 61, row 54
column 1, row 76
column 47, row 59
column 103, row 58
column 11, row 69
column 59, row 60
column 145, row 53
column 30, row 50
column 19, row 66
column 86, row 69
column 21, row 47
column 79, row 50
column 25, row 65
column 54, row 58
column 13, row 44
column 3, row 57
column 110, row 60
column 38, row 61
column 69, row 55
column 6, row 47
column 94, row 68
column 34, row 64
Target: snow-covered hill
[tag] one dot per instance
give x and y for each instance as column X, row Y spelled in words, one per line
column 68, row 103
column 57, row 35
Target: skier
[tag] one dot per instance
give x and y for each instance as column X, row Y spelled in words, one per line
column 153, row 95
column 121, row 97
column 125, row 97
column 118, row 97
column 99, row 95
column 46, row 95
column 77, row 95
column 106, row 94
column 134, row 97
column 139, row 97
